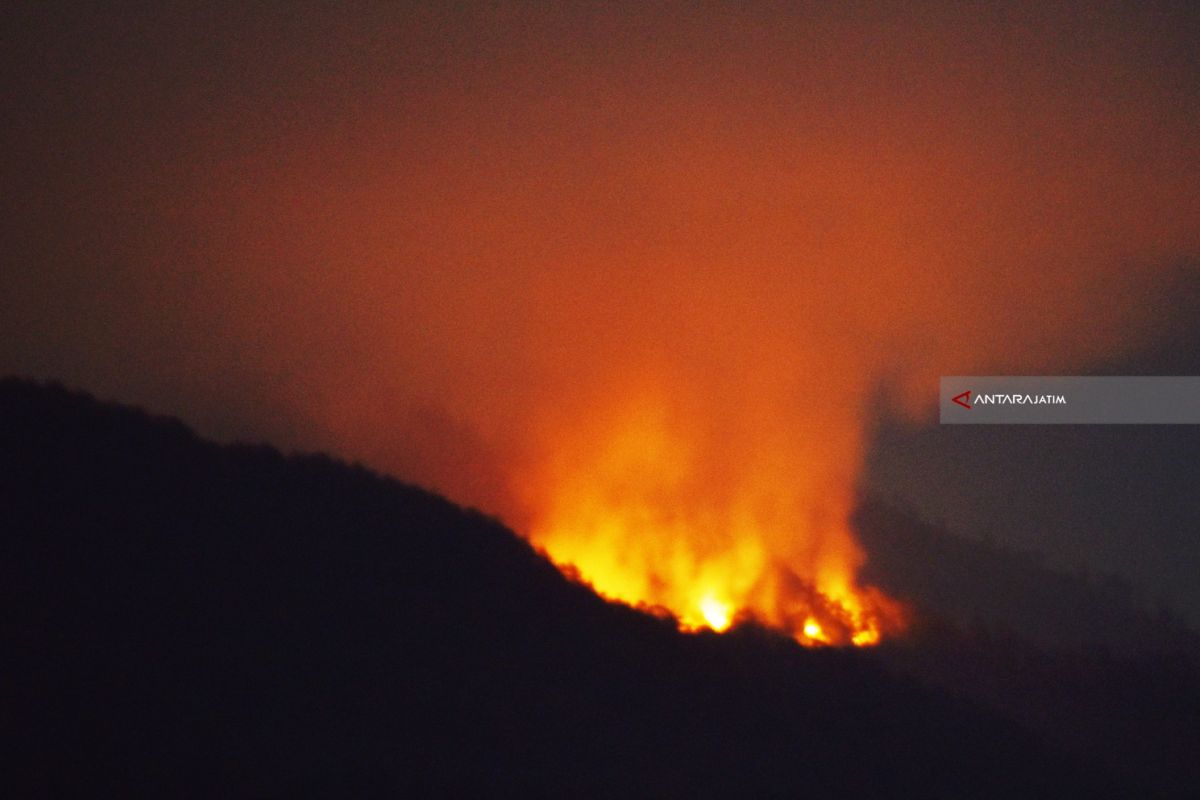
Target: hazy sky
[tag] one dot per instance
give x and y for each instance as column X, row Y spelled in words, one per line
column 476, row 245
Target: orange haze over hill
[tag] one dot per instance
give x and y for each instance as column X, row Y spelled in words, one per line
column 638, row 281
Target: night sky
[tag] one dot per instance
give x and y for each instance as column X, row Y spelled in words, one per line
column 482, row 246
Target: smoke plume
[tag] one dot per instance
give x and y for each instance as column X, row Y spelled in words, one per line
column 635, row 281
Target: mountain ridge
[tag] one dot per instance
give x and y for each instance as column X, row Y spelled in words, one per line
column 188, row 618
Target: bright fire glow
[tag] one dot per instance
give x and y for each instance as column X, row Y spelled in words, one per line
column 716, row 613
column 631, row 510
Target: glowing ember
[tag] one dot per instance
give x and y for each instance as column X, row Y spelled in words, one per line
column 716, row 613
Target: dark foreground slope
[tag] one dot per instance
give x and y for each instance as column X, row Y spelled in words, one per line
column 183, row 618
column 1073, row 658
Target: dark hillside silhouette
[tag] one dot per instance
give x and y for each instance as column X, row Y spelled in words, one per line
column 979, row 584
column 1075, row 658
column 187, row 619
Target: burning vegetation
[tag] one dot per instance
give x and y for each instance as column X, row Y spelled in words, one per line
column 637, row 512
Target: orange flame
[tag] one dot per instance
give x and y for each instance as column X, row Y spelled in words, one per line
column 629, row 509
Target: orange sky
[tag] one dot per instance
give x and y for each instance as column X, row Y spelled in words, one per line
column 476, row 248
